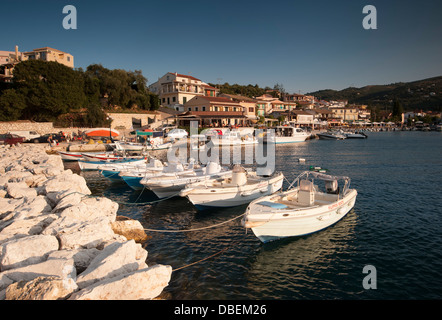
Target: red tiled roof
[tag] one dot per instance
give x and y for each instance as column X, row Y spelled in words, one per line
column 230, row 114
column 184, row 76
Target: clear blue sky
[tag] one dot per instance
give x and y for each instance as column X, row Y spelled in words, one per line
column 303, row 45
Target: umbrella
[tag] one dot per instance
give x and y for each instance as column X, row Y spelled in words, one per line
column 101, row 132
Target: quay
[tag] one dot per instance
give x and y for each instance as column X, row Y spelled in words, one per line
column 57, row 242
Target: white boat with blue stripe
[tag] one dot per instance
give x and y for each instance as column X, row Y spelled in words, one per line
column 300, row 210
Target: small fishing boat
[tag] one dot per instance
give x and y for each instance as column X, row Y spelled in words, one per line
column 112, row 170
column 101, row 156
column 301, row 210
column 355, row 135
column 130, row 146
column 238, row 189
column 169, row 185
column 331, row 135
column 95, row 164
column 233, row 138
column 133, row 177
column 70, row 156
column 286, row 134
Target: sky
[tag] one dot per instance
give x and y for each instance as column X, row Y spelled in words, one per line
column 303, row 45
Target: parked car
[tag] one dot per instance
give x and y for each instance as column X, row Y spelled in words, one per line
column 44, row 138
column 177, row 134
column 11, row 139
column 29, row 135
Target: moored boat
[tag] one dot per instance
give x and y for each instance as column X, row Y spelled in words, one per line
column 233, row 138
column 331, row 135
column 286, row 134
column 94, row 165
column 238, row 189
column 170, row 185
column 301, row 210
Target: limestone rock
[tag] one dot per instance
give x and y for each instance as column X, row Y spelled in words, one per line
column 82, row 257
column 85, row 234
column 20, row 190
column 92, row 208
column 60, row 268
column 117, row 258
column 25, row 227
column 41, row 288
column 145, row 284
column 25, row 251
column 129, row 228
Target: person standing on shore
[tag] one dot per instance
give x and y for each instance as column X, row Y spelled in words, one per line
column 50, row 140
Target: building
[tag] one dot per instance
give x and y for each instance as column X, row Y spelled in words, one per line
column 264, row 104
column 346, row 114
column 9, row 59
column 50, row 54
column 248, row 104
column 175, row 89
column 213, row 111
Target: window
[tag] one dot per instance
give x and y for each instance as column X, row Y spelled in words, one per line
column 173, row 99
column 226, row 108
column 204, row 108
column 189, row 109
column 184, row 100
column 196, row 108
column 69, row 58
column 216, row 108
column 164, row 100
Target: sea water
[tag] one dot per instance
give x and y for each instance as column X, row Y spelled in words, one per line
column 395, row 228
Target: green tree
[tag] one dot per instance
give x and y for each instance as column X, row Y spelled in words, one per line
column 50, row 89
column 11, row 105
column 397, row 111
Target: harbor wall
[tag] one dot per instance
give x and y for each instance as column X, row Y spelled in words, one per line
column 58, row 242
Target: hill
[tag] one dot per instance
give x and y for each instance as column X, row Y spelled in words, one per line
column 422, row 94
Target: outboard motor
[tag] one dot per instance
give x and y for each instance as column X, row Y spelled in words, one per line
column 239, row 175
column 332, row 187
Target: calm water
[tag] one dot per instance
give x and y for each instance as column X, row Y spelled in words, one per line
column 396, row 226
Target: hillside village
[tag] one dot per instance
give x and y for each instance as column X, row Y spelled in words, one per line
column 184, row 98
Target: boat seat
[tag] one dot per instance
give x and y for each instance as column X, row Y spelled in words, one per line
column 306, row 197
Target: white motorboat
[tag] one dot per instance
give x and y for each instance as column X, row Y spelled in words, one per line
column 133, row 177
column 233, row 138
column 169, row 185
column 112, row 170
column 238, row 189
column 355, row 135
column 286, row 134
column 301, row 210
column 130, row 146
column 96, row 164
column 70, row 156
column 331, row 135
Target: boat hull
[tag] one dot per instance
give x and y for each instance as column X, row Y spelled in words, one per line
column 329, row 137
column 133, row 182
column 95, row 165
column 234, row 196
column 285, row 223
column 70, row 156
column 172, row 187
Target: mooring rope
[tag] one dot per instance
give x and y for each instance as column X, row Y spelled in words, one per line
column 206, row 258
column 196, row 229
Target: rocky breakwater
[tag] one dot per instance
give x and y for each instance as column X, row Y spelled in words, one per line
column 57, row 243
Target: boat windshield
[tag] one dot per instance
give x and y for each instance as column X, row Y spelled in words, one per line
column 329, row 183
